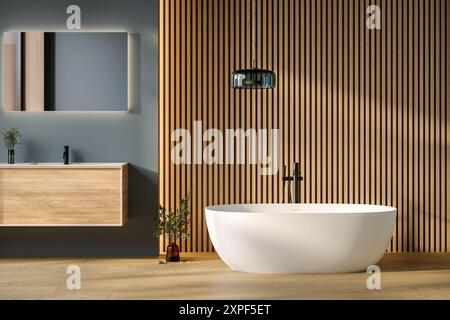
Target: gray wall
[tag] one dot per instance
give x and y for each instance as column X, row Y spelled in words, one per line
column 94, row 136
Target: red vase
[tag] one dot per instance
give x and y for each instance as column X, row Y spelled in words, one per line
column 173, row 253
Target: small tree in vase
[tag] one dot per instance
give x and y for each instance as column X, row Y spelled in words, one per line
column 174, row 224
column 11, row 138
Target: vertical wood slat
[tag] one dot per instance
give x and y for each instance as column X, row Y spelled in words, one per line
column 364, row 111
column 162, row 85
column 447, row 131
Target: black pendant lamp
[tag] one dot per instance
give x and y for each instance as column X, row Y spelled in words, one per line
column 253, row 78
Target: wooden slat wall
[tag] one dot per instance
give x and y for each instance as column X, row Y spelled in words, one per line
column 365, row 112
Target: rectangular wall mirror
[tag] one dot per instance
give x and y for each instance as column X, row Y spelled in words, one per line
column 65, row 71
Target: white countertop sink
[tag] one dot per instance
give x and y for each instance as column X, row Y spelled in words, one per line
column 61, row 165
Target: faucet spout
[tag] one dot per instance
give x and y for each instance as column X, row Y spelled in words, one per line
column 296, row 178
column 66, row 155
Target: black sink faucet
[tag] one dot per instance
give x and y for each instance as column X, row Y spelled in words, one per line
column 66, row 155
column 296, row 178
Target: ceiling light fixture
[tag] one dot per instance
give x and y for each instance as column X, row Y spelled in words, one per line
column 253, row 78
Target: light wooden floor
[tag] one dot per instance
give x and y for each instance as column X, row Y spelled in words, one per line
column 418, row 276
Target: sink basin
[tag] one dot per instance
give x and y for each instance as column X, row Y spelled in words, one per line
column 39, row 163
column 62, row 165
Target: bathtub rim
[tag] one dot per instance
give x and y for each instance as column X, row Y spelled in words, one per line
column 227, row 208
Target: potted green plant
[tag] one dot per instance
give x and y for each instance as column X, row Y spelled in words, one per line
column 11, row 138
column 174, row 224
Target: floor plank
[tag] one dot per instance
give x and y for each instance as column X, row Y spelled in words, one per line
column 205, row 276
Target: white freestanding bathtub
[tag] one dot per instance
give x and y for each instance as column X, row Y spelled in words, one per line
column 300, row 238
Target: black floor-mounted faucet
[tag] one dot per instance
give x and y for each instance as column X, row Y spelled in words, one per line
column 296, row 178
column 66, row 155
